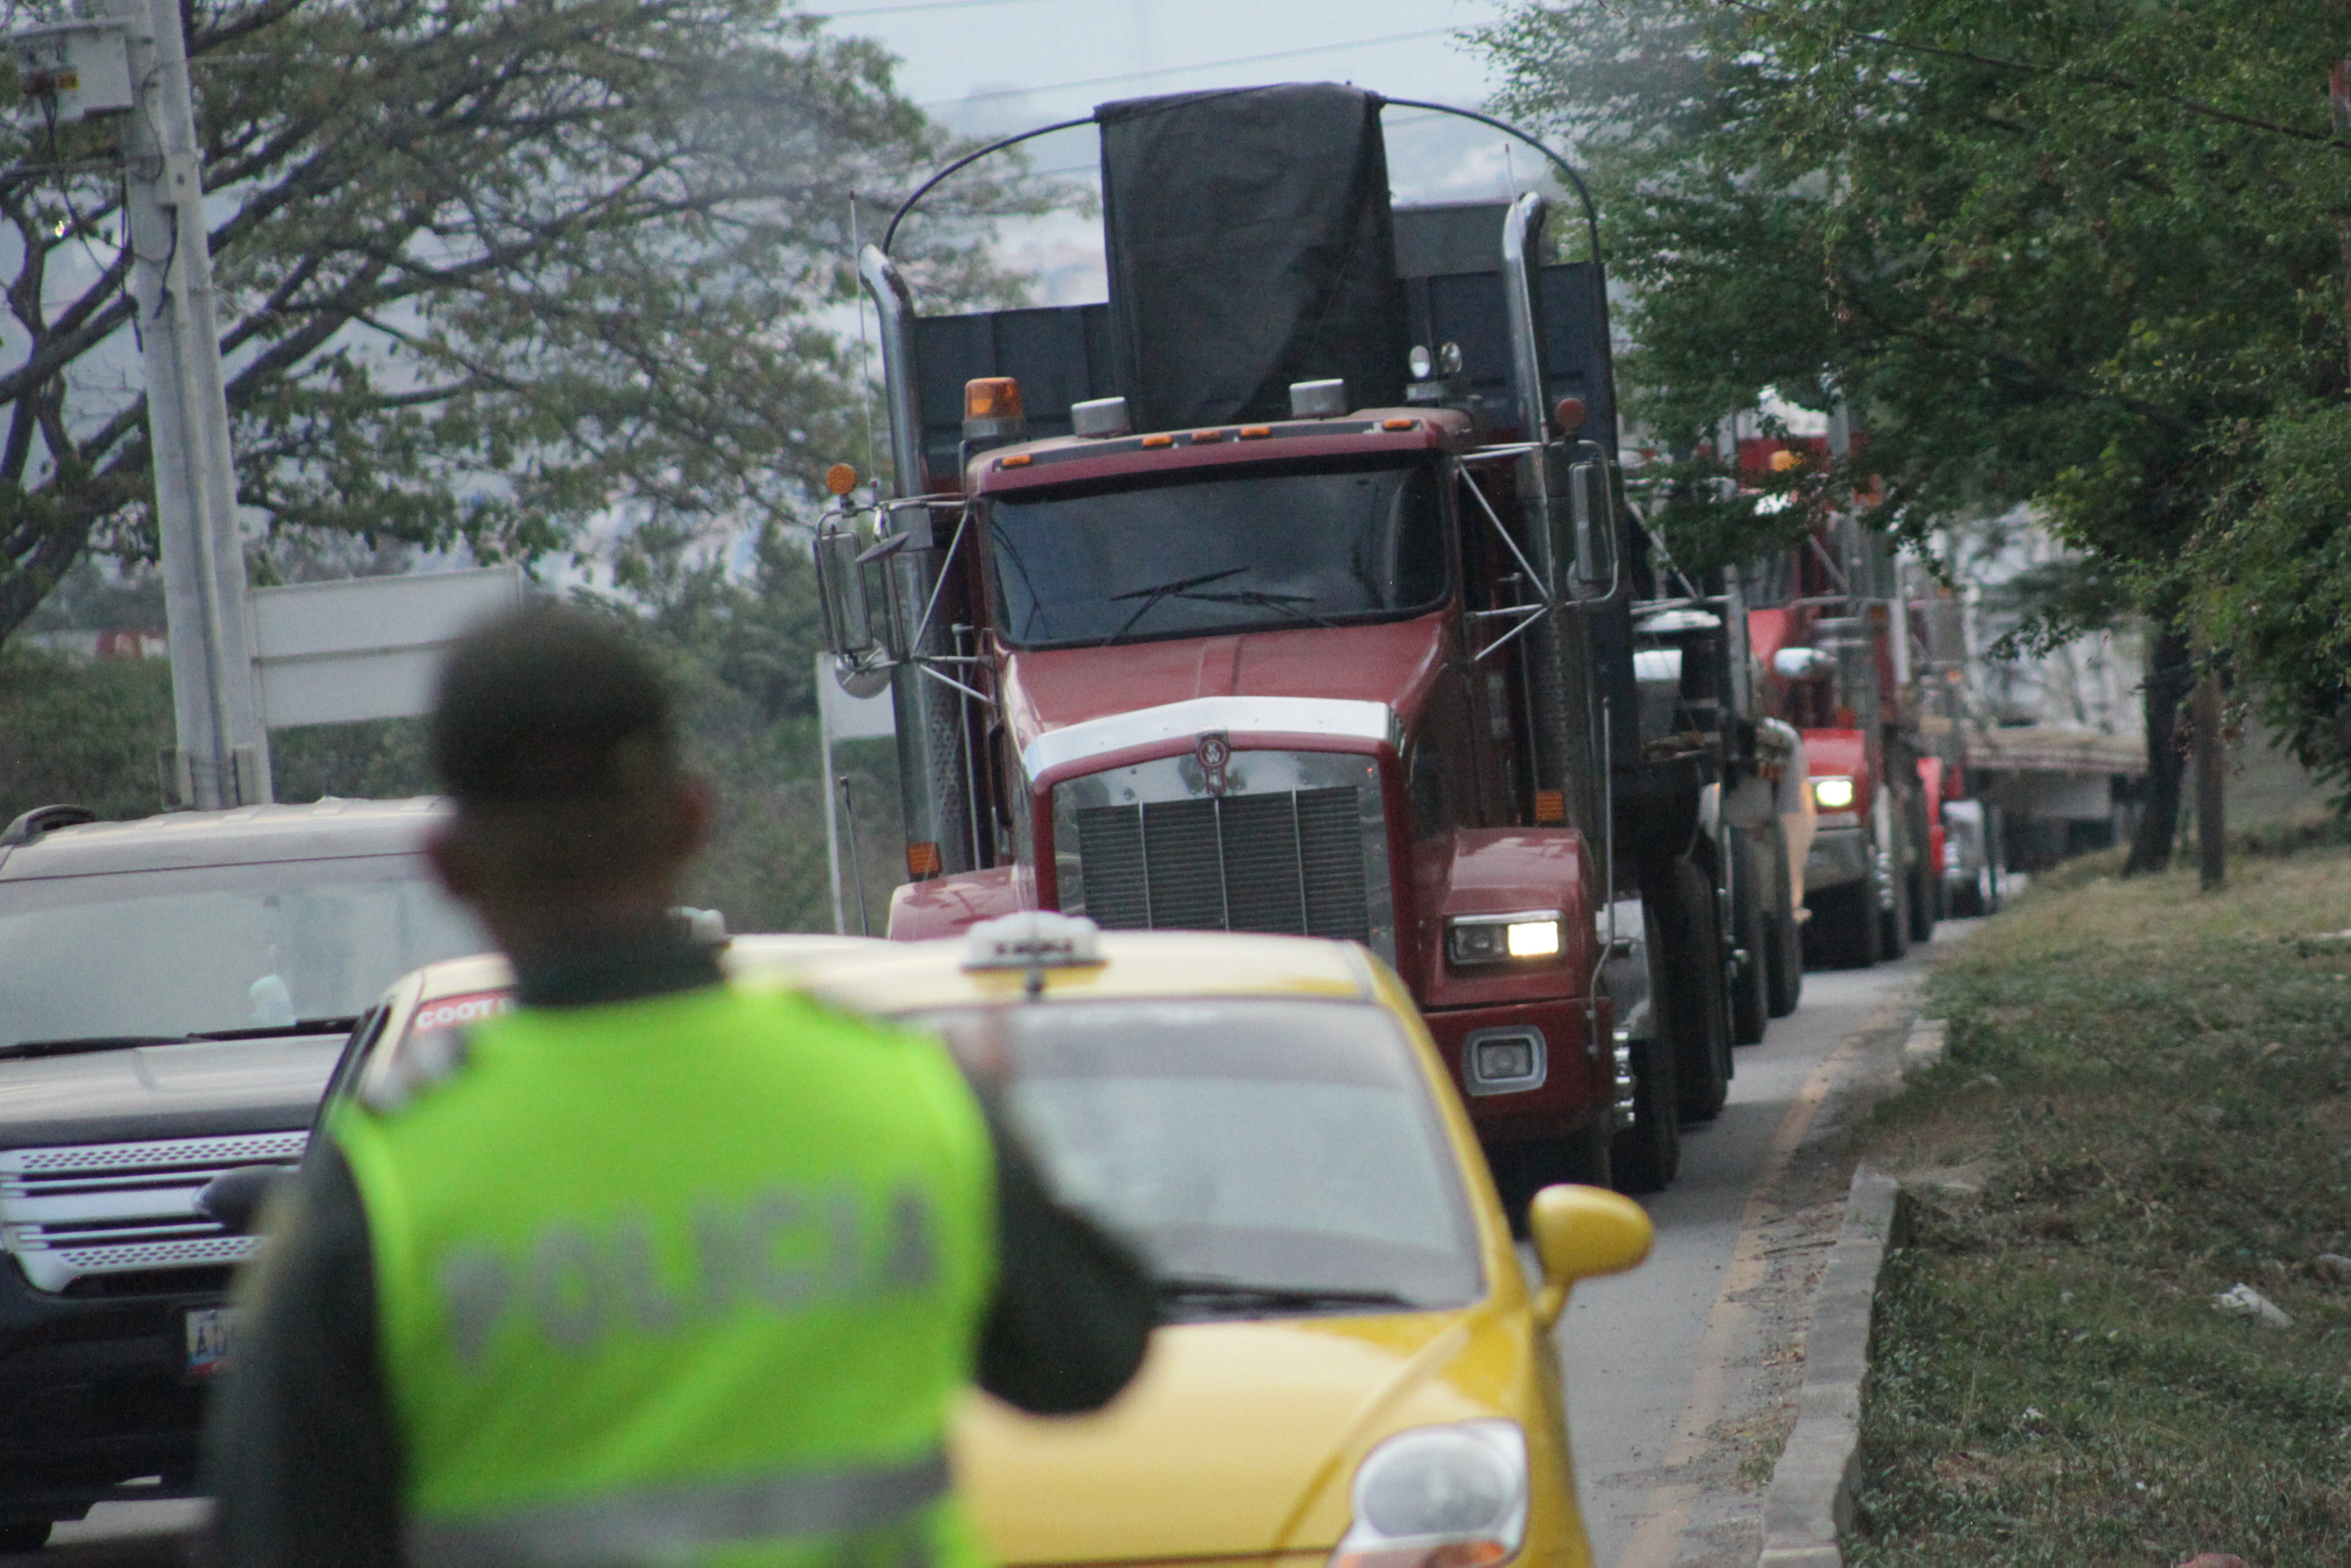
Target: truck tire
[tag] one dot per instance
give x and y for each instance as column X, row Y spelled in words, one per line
column 1925, row 893
column 1844, row 930
column 1695, row 1013
column 1647, row 1156
column 1523, row 1169
column 1784, row 974
column 1750, row 984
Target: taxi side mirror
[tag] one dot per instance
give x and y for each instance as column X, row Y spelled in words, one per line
column 1580, row 1233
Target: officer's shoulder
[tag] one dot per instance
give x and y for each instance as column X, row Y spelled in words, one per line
column 811, row 1007
column 420, row 1064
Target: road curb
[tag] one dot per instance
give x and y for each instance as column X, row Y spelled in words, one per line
column 1809, row 1505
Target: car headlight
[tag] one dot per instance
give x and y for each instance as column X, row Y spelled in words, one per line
column 1440, row 1497
column 1475, row 942
column 1832, row 792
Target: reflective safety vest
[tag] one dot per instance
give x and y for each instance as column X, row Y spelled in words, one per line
column 695, row 1278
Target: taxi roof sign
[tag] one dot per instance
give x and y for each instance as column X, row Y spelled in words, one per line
column 1033, row 938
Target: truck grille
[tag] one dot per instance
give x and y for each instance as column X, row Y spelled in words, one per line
column 1292, row 864
column 72, row 1213
column 1294, row 844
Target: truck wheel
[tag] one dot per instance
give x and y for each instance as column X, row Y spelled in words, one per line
column 1750, row 1004
column 1843, row 931
column 25, row 1535
column 1646, row 1156
column 1784, row 974
column 1696, row 1016
column 1523, row 1169
column 1926, row 885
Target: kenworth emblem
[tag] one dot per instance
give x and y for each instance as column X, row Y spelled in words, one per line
column 1213, row 752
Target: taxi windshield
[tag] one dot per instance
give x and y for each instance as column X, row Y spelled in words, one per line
column 134, row 956
column 1265, row 1156
column 1185, row 555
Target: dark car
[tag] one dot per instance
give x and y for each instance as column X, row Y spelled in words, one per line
column 173, row 994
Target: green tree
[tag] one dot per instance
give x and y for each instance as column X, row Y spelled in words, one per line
column 2083, row 252
column 491, row 271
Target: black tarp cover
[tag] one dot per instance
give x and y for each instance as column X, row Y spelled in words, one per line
column 1250, row 245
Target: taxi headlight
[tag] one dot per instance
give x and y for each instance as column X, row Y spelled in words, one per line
column 1440, row 1497
column 1472, row 941
column 1832, row 792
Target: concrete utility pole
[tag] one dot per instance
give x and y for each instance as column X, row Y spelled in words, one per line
column 223, row 755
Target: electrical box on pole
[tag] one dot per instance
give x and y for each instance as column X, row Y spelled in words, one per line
column 75, row 68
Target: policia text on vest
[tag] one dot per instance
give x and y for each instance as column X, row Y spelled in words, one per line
column 786, row 1250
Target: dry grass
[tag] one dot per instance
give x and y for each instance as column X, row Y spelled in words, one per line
column 2157, row 1087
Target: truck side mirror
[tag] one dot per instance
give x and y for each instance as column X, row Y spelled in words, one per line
column 840, row 591
column 1588, row 509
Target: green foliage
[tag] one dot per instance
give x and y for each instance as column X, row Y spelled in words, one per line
column 2068, row 251
column 489, row 270
column 2149, row 1083
column 2275, row 577
column 76, row 734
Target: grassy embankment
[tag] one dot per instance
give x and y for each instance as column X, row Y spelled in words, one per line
column 2151, row 1089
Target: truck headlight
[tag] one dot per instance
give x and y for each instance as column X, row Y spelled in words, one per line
column 1832, row 792
column 1440, row 1497
column 1476, row 941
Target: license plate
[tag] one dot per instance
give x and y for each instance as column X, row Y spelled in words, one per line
column 212, row 1340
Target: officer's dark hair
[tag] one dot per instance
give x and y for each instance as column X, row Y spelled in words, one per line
column 555, row 739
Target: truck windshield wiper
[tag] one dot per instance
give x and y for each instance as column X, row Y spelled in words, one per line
column 1153, row 598
column 1216, row 1288
column 76, row 1044
column 1258, row 598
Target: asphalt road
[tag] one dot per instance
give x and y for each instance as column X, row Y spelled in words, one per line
column 1679, row 1374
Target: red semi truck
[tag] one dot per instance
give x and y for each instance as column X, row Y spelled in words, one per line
column 1294, row 590
column 1830, row 629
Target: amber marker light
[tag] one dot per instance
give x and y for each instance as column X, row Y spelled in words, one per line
column 922, row 860
column 1017, row 460
column 1551, row 807
column 992, row 398
column 840, row 479
column 1399, row 424
column 1254, row 432
column 1159, row 441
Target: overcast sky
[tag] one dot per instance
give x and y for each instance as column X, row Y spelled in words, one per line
column 996, row 67
column 1052, row 59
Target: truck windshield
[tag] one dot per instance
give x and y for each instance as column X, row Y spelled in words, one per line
column 1265, row 1156
column 1186, row 555
column 139, row 956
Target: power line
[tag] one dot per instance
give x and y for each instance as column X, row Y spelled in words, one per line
column 1199, row 66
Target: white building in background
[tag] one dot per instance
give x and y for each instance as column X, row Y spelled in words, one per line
column 2089, row 683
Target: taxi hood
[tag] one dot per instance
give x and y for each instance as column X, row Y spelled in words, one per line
column 1235, row 1439
column 1392, row 664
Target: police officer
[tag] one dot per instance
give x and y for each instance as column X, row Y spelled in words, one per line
column 657, row 1269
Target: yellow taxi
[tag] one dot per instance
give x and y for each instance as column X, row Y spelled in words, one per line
column 1354, row 1371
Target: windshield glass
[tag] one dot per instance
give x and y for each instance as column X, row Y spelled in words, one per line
column 1264, row 1155
column 214, row 948
column 1186, row 555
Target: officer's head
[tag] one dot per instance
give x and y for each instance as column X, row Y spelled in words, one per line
column 555, row 739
